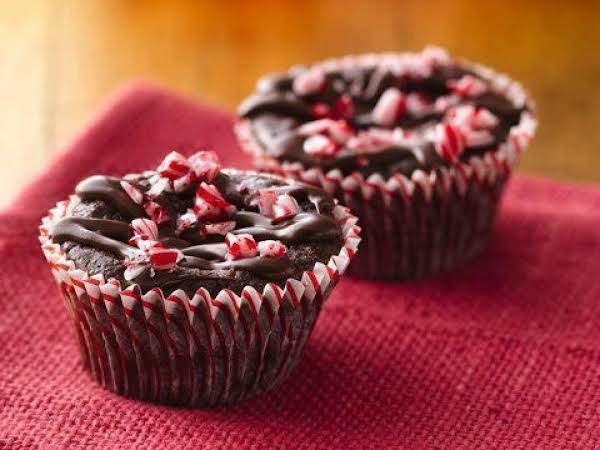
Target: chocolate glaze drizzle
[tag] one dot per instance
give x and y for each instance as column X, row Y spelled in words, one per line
column 275, row 112
column 205, row 255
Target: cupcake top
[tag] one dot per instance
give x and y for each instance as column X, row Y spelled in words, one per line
column 189, row 225
column 387, row 114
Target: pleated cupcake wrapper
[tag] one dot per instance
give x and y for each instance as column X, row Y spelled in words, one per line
column 426, row 223
column 202, row 351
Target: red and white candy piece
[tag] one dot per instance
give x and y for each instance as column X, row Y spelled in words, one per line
column 221, row 228
column 449, row 141
column 240, row 246
column 205, row 164
column 309, row 82
column 210, row 205
column 164, row 258
column 266, row 199
column 133, row 193
column 185, row 221
column 417, row 105
column 471, row 117
column 158, row 185
column 144, row 229
column 467, row 86
column 177, row 172
column 285, row 207
column 135, row 267
column 389, row 108
column 211, row 194
column 174, row 166
column 181, row 184
column 339, row 130
column 272, row 249
column 320, row 145
column 445, row 102
column 372, row 139
column 156, row 212
column 205, row 211
column 315, row 127
column 434, row 56
column 478, row 138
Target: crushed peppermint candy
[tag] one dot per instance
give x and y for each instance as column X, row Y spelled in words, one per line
column 144, row 229
column 272, row 249
column 206, row 165
column 210, row 205
column 164, row 258
column 435, row 56
column 471, row 117
column 449, row 141
column 174, row 166
column 211, row 194
column 211, row 214
column 338, row 130
column 151, row 254
column 285, row 207
column 467, row 86
column 444, row 103
column 310, row 82
column 221, row 228
column 266, row 199
column 133, row 193
column 372, row 139
column 156, row 212
column 135, row 267
column 315, row 127
column 181, row 184
column 185, row 221
column 240, row 246
column 177, row 173
column 320, row 145
column 417, row 105
column 418, row 98
column 389, row 108
column 279, row 207
column 474, row 124
column 478, row 138
column 158, row 185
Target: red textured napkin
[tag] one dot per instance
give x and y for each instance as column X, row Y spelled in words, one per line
column 503, row 353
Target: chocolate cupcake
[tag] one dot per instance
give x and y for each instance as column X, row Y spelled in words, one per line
column 193, row 285
column 419, row 146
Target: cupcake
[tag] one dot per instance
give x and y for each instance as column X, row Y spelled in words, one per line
column 418, row 145
column 195, row 285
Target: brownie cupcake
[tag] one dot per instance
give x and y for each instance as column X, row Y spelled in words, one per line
column 418, row 145
column 193, row 285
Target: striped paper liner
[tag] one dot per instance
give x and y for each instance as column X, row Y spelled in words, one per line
column 199, row 351
column 427, row 223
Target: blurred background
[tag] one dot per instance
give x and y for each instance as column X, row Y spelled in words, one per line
column 61, row 59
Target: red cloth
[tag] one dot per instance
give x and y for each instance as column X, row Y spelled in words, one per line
column 503, row 353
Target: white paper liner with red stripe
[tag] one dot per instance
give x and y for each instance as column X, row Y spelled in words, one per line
column 202, row 351
column 423, row 224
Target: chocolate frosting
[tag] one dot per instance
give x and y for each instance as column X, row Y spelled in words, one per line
column 275, row 112
column 100, row 224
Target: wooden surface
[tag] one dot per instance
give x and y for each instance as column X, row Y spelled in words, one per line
column 61, row 59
